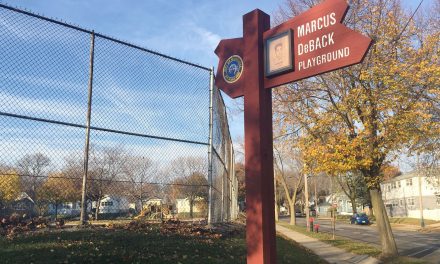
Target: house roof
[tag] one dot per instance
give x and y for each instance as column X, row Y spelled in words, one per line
column 23, row 196
column 408, row 175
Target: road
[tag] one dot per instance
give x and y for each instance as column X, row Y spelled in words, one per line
column 409, row 243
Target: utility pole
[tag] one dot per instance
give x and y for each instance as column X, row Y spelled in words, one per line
column 306, row 194
column 316, row 198
column 422, row 221
column 333, row 210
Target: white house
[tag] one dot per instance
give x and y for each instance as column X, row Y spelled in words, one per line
column 112, row 205
column 402, row 194
column 183, row 205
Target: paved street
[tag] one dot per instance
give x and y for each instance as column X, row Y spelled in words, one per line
column 409, row 243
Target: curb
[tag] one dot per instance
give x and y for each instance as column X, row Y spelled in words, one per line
column 325, row 251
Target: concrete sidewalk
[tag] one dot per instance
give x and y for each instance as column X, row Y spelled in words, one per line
column 327, row 252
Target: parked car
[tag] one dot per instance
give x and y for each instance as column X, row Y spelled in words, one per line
column 360, row 219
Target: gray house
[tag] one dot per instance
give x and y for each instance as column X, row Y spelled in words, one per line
column 402, row 195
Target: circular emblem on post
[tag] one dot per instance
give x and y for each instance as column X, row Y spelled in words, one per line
column 232, row 69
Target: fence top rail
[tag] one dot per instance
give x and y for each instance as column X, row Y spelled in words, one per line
column 65, row 24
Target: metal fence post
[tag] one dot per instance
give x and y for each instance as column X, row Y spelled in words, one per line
column 210, row 146
column 223, row 194
column 231, row 186
column 83, row 217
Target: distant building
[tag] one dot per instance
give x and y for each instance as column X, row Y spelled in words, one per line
column 24, row 205
column 112, row 205
column 65, row 209
column 401, row 196
column 343, row 205
column 199, row 206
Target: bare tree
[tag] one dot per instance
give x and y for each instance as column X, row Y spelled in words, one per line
column 106, row 166
column 190, row 181
column 141, row 176
column 289, row 174
column 33, row 169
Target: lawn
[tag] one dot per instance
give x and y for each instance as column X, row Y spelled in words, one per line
column 144, row 245
column 340, row 242
column 355, row 247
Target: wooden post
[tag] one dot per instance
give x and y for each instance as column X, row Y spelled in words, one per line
column 241, row 73
column 260, row 223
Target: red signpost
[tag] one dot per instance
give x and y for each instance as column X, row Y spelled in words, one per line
column 261, row 60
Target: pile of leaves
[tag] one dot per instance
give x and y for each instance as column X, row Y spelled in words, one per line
column 15, row 224
column 182, row 228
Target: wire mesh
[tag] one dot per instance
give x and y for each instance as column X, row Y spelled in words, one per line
column 147, row 153
column 225, row 193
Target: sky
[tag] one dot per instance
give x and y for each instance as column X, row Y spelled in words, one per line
column 186, row 29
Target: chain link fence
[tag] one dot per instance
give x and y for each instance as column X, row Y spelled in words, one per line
column 92, row 127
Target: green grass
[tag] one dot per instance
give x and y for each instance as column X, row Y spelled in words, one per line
column 142, row 246
column 411, row 221
column 340, row 242
column 404, row 260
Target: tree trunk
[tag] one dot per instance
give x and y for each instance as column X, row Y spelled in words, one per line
column 277, row 208
column 292, row 213
column 97, row 209
column 389, row 248
column 353, row 205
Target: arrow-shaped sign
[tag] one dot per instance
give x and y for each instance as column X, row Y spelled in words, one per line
column 230, row 49
column 317, row 40
column 321, row 42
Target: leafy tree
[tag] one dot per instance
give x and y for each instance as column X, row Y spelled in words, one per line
column 358, row 118
column 389, row 171
column 353, row 185
column 58, row 189
column 9, row 186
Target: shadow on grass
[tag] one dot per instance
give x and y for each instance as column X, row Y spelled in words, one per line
column 142, row 246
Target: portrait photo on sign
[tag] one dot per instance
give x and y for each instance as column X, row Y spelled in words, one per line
column 278, row 50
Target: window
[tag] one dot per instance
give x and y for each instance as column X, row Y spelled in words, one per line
column 66, row 206
column 393, row 185
column 107, row 203
column 398, row 184
column 411, row 201
column 395, row 203
column 400, row 202
column 389, row 187
column 19, row 206
column 408, row 182
column 438, row 199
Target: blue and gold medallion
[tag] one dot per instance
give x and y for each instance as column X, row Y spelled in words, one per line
column 232, row 69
